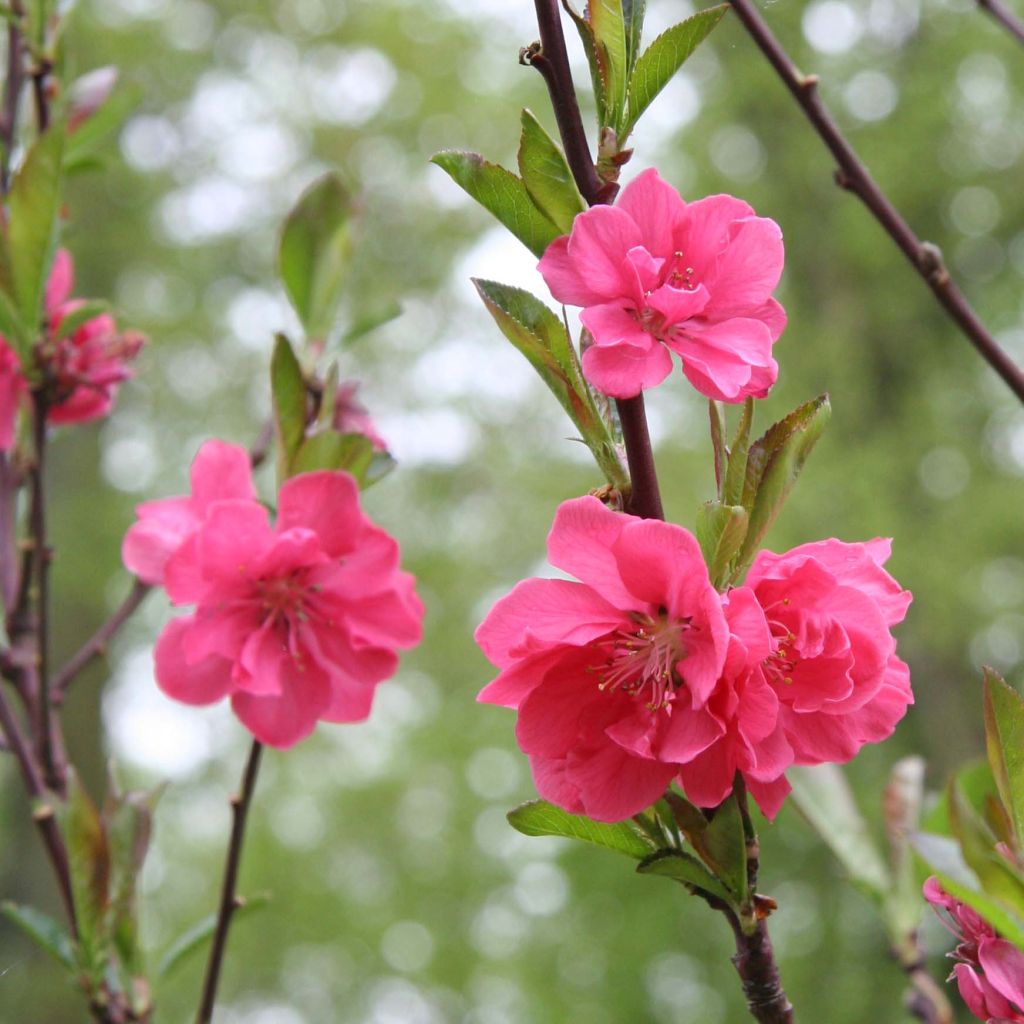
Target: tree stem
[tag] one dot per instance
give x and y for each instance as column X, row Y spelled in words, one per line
column 754, row 961
column 1005, row 17
column 229, row 901
column 852, row 174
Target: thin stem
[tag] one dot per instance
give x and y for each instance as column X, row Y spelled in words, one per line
column 853, row 175
column 96, row 645
column 12, row 95
column 925, row 1000
column 42, row 811
column 645, row 496
column 754, row 961
column 229, row 901
column 1002, row 14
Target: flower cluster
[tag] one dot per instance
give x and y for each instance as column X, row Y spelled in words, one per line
column 296, row 621
column 81, row 368
column 655, row 274
column 990, row 970
column 641, row 672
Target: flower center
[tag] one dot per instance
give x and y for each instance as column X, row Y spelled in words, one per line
column 677, row 273
column 779, row 665
column 283, row 597
column 641, row 661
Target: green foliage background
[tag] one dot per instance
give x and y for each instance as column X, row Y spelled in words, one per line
column 399, row 892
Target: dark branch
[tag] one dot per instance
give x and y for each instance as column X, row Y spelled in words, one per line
column 12, row 96
column 229, row 901
column 1002, row 14
column 854, row 176
column 645, row 496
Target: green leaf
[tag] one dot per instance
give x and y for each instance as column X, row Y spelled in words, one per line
column 503, row 194
column 725, row 848
column 597, row 59
column 1004, row 740
column 825, row 799
column 544, row 340
column 98, row 106
column 193, row 940
column 720, row 533
column 288, row 389
column 773, row 464
column 546, row 175
column 89, row 863
column 81, row 315
column 34, row 208
column 371, row 321
column 663, row 58
column 683, row 868
column 606, row 20
column 315, row 251
column 330, row 449
column 944, row 858
column 42, row 930
column 633, row 12
column 716, row 412
column 12, row 327
column 736, row 471
column 539, row 818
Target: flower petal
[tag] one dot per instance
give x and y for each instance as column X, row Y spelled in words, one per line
column 623, row 371
column 192, row 682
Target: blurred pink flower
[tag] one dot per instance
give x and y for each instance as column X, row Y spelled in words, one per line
column 654, row 273
column 220, row 471
column 610, row 675
column 12, row 390
column 990, row 972
column 352, row 417
column 830, row 607
column 296, row 622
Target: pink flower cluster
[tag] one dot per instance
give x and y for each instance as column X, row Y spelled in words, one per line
column 642, row 673
column 990, row 970
column 655, row 275
column 82, row 370
column 297, row 621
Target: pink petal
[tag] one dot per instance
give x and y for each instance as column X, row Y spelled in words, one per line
column 612, row 323
column 567, row 280
column 689, row 733
column 747, row 623
column 234, row 538
column 623, row 371
column 601, row 237
column 707, row 779
column 718, row 359
column 369, row 567
column 162, row 527
column 748, row 269
column 771, row 314
column 60, row 281
column 283, row 720
column 551, row 777
column 220, row 471
column 550, row 612
column 704, row 231
column 614, row 786
column 769, row 796
column 325, row 502
column 678, row 304
column 1003, row 964
column 655, row 207
column 201, row 682
column 350, row 702
column 264, row 662
column 519, row 680
column 656, row 560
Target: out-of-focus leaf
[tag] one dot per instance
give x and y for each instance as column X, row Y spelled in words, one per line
column 683, row 868
column 330, row 449
column 945, row 860
column 546, row 175
column 773, row 464
column 98, row 106
column 12, row 327
column 314, row 253
column 827, row 802
column 720, row 533
column 34, row 208
column 725, row 848
column 503, row 194
column 81, row 315
column 1004, row 740
column 288, row 390
column 975, row 782
column 539, row 818
column 196, row 938
column 543, row 339
column 42, row 930
column 609, row 29
column 371, row 321
column 901, row 805
column 663, row 58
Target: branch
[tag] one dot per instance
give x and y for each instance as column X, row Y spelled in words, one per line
column 1001, row 13
column 853, row 175
column 229, row 901
column 925, row 1000
column 645, row 496
column 755, row 964
column 12, row 96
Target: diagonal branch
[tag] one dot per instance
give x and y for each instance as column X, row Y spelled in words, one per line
column 1002, row 14
column 853, row 175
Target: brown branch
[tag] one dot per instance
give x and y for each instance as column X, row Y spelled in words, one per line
column 12, row 95
column 1005, row 17
column 229, row 901
column 925, row 999
column 853, row 175
column 645, row 496
column 754, row 961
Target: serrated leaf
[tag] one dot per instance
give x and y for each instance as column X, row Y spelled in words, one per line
column 80, row 315
column 315, row 251
column 597, row 60
column 503, row 194
column 606, row 20
column 543, row 339
column 725, row 848
column 539, row 818
column 825, row 799
column 683, row 868
column 774, row 463
column 42, row 930
column 663, row 58
column 196, row 937
column 944, row 858
column 633, row 12
column 720, row 533
column 33, row 215
column 1004, row 742
column 288, row 390
column 546, row 175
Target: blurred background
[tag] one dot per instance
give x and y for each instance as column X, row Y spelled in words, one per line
column 400, row 894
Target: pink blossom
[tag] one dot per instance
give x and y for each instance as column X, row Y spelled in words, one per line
column 753, row 741
column 352, row 417
column 830, row 607
column 611, row 675
column 990, row 971
column 296, row 622
column 12, row 390
column 220, row 471
column 654, row 273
